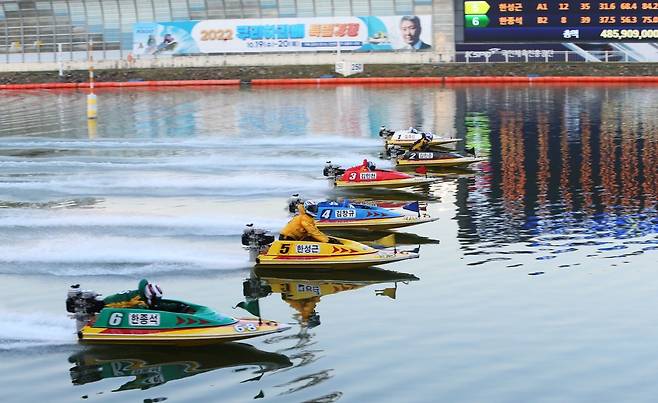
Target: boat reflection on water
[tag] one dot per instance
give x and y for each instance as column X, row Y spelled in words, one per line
column 377, row 237
column 156, row 366
column 302, row 290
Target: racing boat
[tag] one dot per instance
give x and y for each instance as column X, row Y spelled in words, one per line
column 436, row 159
column 346, row 215
column 172, row 322
column 337, row 254
column 158, row 365
column 367, row 176
column 405, row 138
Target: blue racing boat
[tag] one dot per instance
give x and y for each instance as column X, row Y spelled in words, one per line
column 342, row 215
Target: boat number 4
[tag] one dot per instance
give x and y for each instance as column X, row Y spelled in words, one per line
column 241, row 328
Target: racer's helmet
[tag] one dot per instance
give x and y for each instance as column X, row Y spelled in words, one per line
column 428, row 135
column 413, row 130
column 371, row 166
column 153, row 293
column 310, row 207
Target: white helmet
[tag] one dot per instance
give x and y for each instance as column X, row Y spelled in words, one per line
column 413, row 130
column 152, row 292
column 310, row 206
column 428, row 135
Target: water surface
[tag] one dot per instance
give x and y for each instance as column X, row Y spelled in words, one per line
column 536, row 283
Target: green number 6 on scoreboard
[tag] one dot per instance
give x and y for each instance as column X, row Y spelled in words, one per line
column 477, row 21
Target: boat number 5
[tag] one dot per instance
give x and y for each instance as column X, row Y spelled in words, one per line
column 115, row 319
column 352, row 176
column 250, row 327
column 285, row 248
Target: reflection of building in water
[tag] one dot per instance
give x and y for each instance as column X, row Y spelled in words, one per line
column 561, row 158
column 444, row 113
column 512, row 163
column 422, row 107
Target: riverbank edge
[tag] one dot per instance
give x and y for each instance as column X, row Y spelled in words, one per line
column 342, row 81
column 490, row 73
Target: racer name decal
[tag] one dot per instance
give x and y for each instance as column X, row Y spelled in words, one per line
column 407, row 136
column 349, row 213
column 425, row 156
column 308, row 249
column 144, row 319
column 313, row 289
column 368, row 176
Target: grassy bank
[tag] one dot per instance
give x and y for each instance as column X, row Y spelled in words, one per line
column 394, row 70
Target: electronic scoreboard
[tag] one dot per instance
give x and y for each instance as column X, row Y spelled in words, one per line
column 560, row 21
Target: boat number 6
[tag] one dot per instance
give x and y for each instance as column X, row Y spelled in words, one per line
column 250, row 327
column 115, row 319
column 352, row 176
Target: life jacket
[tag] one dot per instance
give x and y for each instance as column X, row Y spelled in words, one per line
column 302, row 227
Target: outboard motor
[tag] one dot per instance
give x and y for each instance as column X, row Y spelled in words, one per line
column 395, row 151
column 255, row 240
column 332, row 171
column 470, row 151
column 255, row 288
column 384, row 132
column 82, row 305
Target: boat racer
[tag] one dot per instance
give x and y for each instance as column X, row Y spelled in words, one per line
column 423, row 143
column 302, row 226
column 367, row 166
column 147, row 295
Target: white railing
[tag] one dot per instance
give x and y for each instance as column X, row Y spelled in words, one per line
column 536, row 55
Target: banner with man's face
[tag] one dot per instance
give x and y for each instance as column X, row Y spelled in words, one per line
column 370, row 33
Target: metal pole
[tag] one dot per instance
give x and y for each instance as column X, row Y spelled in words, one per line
column 59, row 60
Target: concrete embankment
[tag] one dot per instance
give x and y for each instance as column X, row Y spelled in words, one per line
column 324, row 74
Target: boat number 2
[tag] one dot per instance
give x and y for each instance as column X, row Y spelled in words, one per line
column 249, row 327
column 115, row 319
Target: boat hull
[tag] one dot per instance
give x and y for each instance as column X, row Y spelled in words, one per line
column 332, row 263
column 373, row 224
column 434, row 143
column 441, row 163
column 243, row 329
column 390, row 184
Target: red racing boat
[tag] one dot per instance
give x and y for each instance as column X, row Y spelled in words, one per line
column 367, row 175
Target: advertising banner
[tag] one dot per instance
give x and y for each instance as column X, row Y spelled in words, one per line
column 368, row 33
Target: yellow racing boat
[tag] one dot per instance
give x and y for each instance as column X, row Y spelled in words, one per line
column 406, row 138
column 436, row 159
column 337, row 254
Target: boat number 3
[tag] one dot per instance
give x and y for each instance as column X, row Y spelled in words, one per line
column 241, row 328
column 115, row 319
column 285, row 248
column 352, row 176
